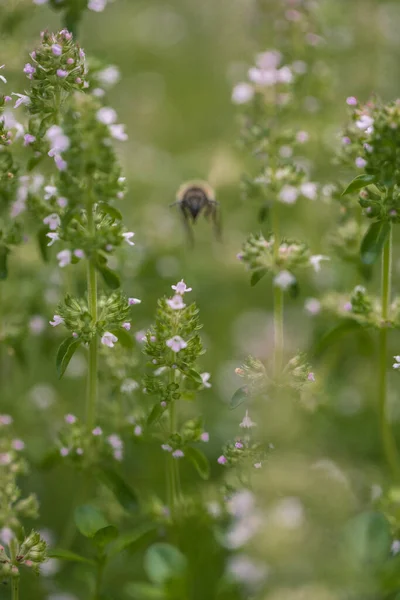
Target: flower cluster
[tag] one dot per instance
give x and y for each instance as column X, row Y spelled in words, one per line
column 57, row 69
column 174, row 341
column 10, row 229
column 261, row 257
column 12, row 506
column 268, row 78
column 113, row 318
column 84, row 449
column 31, row 552
column 173, row 344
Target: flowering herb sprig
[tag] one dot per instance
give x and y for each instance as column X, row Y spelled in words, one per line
column 173, row 345
column 22, row 549
column 259, row 256
column 76, row 131
column 10, row 228
column 370, row 142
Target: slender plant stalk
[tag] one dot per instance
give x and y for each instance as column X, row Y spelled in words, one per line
column 278, row 299
column 15, row 588
column 389, row 444
column 173, row 484
column 99, row 579
column 91, row 404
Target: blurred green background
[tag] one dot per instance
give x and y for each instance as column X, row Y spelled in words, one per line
column 179, row 61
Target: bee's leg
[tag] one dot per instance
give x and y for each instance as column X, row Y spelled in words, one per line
column 215, row 214
column 187, row 226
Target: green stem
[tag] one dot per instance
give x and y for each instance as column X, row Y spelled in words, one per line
column 15, row 588
column 389, row 444
column 91, row 403
column 172, row 460
column 99, row 578
column 278, row 299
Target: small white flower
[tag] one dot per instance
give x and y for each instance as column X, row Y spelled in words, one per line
column 133, row 301
column 118, row 132
column 64, row 258
column 284, row 75
column 109, row 76
column 176, row 302
column 397, row 363
column 247, row 423
column 127, row 237
column 288, row 194
column 205, row 377
column 309, row 190
column 128, row 386
column 53, row 221
column 315, row 261
column 176, row 343
column 97, row 5
column 109, row 339
column 361, row 163
column 395, row 548
column 242, row 93
column 284, row 280
column 50, row 191
column 57, row 320
column 22, row 99
column 364, row 122
column 54, row 237
column 181, row 287
column 126, row 326
column 263, row 77
column 302, row 137
column 106, row 115
column 312, row 306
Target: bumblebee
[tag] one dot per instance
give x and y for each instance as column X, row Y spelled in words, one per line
column 194, row 198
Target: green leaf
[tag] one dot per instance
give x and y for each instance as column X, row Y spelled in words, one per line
column 239, row 397
column 155, row 414
column 135, row 540
column 124, row 337
column 199, row 460
column 121, row 490
column 144, row 591
column 373, row 242
column 163, row 562
column 111, row 279
column 359, row 182
column 256, row 276
column 68, row 555
column 110, row 210
column 194, row 376
column 367, row 540
column 105, row 536
column 335, row 334
column 64, row 354
column 4, row 252
column 89, row 520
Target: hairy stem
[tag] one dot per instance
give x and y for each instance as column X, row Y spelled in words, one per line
column 389, row 444
column 278, row 299
column 91, row 402
column 173, row 484
column 15, row 588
